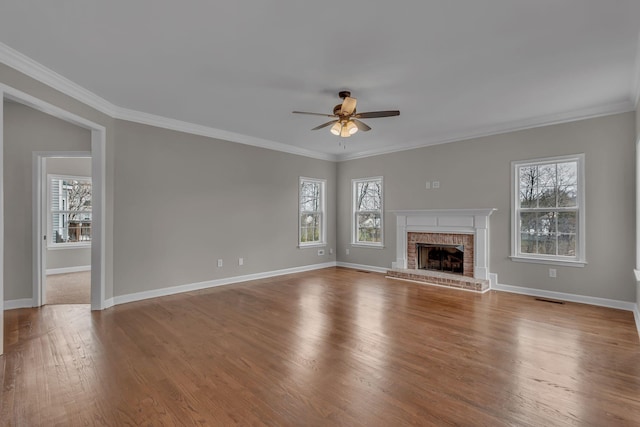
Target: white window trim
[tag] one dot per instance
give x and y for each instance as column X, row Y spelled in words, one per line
column 323, row 212
column 354, row 233
column 580, row 259
column 51, row 245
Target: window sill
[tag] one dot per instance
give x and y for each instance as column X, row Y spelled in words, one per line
column 311, row 245
column 365, row 245
column 69, row 246
column 549, row 261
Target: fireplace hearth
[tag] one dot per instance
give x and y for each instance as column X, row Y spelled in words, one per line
column 445, row 247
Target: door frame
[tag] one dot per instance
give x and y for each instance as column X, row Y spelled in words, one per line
column 98, row 178
column 40, row 218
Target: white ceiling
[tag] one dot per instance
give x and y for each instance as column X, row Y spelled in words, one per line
column 454, row 68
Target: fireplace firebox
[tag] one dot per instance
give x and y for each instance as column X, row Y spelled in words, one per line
column 439, row 257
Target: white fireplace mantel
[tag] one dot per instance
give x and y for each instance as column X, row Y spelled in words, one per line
column 463, row 221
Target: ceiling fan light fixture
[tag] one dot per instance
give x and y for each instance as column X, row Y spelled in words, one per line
column 346, row 121
column 351, row 127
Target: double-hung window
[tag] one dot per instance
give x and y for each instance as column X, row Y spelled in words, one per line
column 368, row 211
column 311, row 216
column 69, row 211
column 548, row 210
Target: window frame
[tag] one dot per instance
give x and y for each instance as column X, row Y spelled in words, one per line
column 355, row 212
column 322, row 212
column 51, row 244
column 579, row 260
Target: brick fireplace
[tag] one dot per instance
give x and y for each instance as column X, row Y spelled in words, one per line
column 465, row 240
column 465, row 228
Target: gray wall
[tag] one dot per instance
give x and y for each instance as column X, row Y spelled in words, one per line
column 476, row 174
column 26, row 131
column 68, row 257
column 637, row 225
column 223, row 222
column 142, row 151
column 184, row 201
column 32, row 87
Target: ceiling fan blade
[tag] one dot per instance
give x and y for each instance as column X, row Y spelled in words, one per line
column 348, row 106
column 324, row 125
column 313, row 114
column 374, row 114
column 361, row 126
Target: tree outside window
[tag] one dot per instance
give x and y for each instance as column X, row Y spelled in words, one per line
column 548, row 208
column 70, row 210
column 311, row 215
column 368, row 211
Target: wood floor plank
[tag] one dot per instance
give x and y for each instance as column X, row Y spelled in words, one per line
column 329, row 347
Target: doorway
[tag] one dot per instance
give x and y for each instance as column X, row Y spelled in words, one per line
column 66, row 223
column 98, row 244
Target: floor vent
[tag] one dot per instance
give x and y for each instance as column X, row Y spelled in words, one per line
column 549, row 300
column 362, row 271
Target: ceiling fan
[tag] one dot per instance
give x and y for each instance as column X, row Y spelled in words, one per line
column 345, row 122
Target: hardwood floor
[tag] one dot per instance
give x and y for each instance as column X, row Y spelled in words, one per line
column 330, row 347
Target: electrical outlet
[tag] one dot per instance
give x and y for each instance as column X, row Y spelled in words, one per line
column 347, row 251
column 219, row 263
column 240, row 261
column 553, row 273
column 320, row 252
column 435, row 184
column 428, row 185
column 331, row 251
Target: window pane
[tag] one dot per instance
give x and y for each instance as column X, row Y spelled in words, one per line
column 538, row 232
column 567, row 173
column 567, row 196
column 528, row 176
column 70, row 206
column 310, row 196
column 547, row 175
column 528, row 243
column 369, row 196
column 553, row 188
column 567, row 222
column 547, row 244
column 546, row 197
column 369, row 227
column 76, row 195
column 310, row 227
column 71, row 227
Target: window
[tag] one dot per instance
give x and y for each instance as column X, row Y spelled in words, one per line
column 367, row 212
column 548, row 210
column 69, row 211
column 312, row 218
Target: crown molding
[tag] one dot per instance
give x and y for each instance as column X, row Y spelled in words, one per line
column 195, row 129
column 547, row 120
column 39, row 72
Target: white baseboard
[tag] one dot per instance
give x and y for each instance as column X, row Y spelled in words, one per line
column 138, row 296
column 603, row 302
column 362, row 267
column 64, row 270
column 18, row 303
